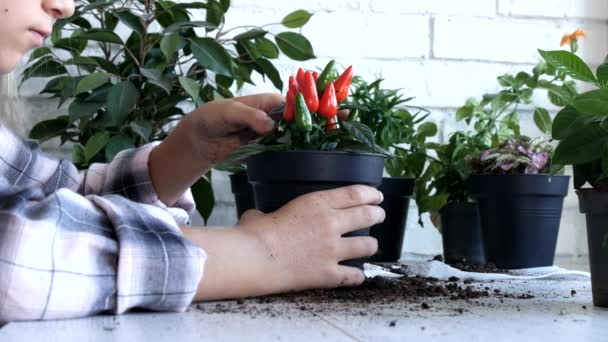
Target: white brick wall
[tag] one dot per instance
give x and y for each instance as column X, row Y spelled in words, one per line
column 441, row 52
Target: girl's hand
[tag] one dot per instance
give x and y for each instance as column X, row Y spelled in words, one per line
column 295, row 248
column 207, row 136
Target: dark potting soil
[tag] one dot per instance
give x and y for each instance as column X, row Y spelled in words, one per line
column 407, row 293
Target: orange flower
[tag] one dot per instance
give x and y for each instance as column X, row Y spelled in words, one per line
column 568, row 38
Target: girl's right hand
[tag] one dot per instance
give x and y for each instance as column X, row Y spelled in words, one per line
column 304, row 238
column 295, row 248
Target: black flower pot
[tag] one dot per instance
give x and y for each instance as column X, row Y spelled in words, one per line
column 520, row 217
column 243, row 192
column 279, row 177
column 397, row 192
column 594, row 205
column 461, row 233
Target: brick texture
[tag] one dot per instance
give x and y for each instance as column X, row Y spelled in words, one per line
column 439, row 51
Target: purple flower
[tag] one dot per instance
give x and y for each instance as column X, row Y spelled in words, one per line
column 485, row 154
column 539, row 160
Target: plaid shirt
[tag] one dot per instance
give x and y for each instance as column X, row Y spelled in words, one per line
column 80, row 243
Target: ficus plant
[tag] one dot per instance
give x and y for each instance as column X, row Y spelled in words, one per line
column 125, row 71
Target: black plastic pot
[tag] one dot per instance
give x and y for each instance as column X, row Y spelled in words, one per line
column 397, row 192
column 520, row 217
column 461, row 233
column 279, row 177
column 243, row 192
column 594, row 205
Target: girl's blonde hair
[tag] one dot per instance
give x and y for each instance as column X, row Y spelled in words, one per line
column 10, row 104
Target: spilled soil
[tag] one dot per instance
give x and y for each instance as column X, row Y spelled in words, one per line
column 375, row 295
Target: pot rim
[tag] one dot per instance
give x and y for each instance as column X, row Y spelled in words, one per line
column 371, row 154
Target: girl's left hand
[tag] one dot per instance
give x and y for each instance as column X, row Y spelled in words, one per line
column 205, row 137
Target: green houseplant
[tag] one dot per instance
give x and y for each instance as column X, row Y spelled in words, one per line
column 494, row 119
column 403, row 129
column 310, row 148
column 127, row 71
column 580, row 127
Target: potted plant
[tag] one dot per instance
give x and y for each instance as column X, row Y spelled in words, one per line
column 454, row 211
column 127, row 71
column 311, row 149
column 580, row 128
column 494, row 118
column 386, row 113
column 520, row 202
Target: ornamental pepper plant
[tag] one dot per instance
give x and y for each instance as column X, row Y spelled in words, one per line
column 315, row 117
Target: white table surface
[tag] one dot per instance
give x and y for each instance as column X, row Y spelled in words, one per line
column 553, row 315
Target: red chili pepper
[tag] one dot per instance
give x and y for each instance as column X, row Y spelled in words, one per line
column 315, row 75
column 342, row 84
column 300, row 77
column 309, row 90
column 331, row 124
column 289, row 113
column 328, row 106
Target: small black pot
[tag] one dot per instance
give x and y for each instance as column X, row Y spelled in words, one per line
column 397, row 192
column 279, row 177
column 461, row 233
column 243, row 192
column 594, row 205
column 520, row 217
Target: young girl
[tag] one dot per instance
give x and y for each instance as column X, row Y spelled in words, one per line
column 116, row 236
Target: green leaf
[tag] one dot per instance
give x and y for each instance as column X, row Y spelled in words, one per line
column 117, row 144
column 44, row 67
column 101, row 36
column 131, row 20
column 242, row 153
column 564, row 121
column 156, row 77
column 464, row 112
column 78, row 155
column 91, row 82
column 581, row 147
column 211, row 55
column 202, row 192
column 542, row 120
column 169, row 45
column 267, row 48
column 251, row 34
column 39, row 52
column 143, row 128
column 593, row 102
column 214, row 14
column 95, row 144
column 97, row 5
column 360, row 132
column 49, row 129
column 427, row 129
column 296, row 19
column 506, row 80
column 122, row 98
column 602, row 74
column 569, row 63
column 270, row 71
column 80, row 109
column 187, row 25
column 225, row 5
column 295, row 46
column 82, row 60
column 193, row 88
